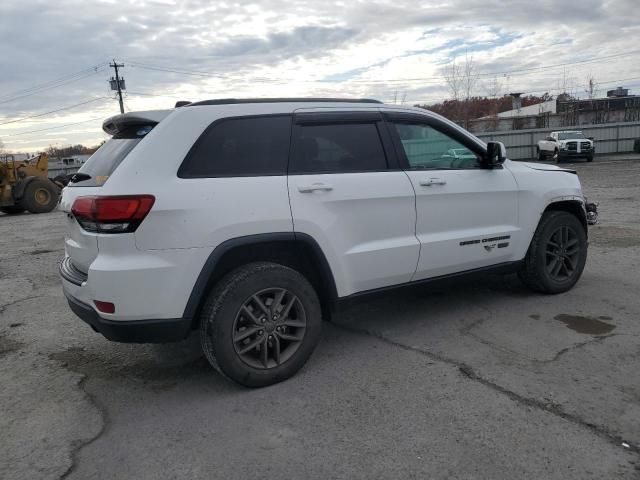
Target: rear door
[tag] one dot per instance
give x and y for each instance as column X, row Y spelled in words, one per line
column 82, row 246
column 467, row 216
column 347, row 192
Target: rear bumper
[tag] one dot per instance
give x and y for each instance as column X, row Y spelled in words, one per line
column 132, row 331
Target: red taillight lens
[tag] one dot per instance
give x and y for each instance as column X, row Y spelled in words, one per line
column 105, row 307
column 112, row 214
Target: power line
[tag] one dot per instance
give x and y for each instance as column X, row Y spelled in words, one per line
column 64, row 77
column 387, row 80
column 503, row 73
column 50, row 87
column 52, row 128
column 54, row 111
column 161, row 68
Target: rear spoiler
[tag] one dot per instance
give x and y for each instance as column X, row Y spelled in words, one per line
column 117, row 123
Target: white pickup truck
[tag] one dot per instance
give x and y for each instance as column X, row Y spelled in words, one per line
column 566, row 144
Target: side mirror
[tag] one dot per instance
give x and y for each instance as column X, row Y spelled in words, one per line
column 550, row 139
column 496, row 154
column 591, row 138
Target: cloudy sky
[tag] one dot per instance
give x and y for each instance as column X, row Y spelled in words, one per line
column 55, row 55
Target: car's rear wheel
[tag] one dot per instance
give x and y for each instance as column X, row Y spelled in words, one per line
column 557, row 254
column 590, row 158
column 260, row 324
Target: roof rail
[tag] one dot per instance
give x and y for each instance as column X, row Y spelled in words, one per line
column 231, row 101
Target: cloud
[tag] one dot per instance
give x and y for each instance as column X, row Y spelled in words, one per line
column 207, row 49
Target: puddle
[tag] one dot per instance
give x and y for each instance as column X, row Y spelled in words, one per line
column 586, row 325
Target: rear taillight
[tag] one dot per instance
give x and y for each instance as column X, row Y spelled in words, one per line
column 119, row 214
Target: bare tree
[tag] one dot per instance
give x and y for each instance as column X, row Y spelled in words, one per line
column 1, row 146
column 453, row 77
column 469, row 77
column 566, row 84
column 461, row 80
column 591, row 86
column 493, row 87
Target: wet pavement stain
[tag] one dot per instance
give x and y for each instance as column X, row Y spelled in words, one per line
column 586, row 325
column 7, row 345
column 535, row 316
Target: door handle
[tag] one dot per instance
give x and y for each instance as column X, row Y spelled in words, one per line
column 432, row 181
column 315, row 187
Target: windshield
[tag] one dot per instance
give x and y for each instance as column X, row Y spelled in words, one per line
column 570, row 135
column 107, row 158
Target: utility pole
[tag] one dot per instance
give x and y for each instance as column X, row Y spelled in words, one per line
column 117, row 83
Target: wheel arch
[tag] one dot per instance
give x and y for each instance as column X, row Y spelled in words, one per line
column 575, row 207
column 295, row 250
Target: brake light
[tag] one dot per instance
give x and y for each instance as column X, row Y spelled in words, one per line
column 116, row 214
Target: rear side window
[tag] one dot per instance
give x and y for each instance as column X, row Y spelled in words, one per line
column 337, row 148
column 237, row 147
column 109, row 156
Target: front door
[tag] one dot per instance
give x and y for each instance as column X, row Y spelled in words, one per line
column 344, row 194
column 467, row 216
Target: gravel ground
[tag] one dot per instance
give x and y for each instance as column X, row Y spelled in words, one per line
column 473, row 379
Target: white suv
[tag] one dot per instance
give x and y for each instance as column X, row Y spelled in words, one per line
column 250, row 219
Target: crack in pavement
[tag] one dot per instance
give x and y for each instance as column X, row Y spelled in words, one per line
column 577, row 346
column 78, row 446
column 470, row 373
column 4, row 306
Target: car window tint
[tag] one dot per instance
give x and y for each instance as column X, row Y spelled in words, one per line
column 337, row 148
column 248, row 146
column 427, row 148
column 110, row 155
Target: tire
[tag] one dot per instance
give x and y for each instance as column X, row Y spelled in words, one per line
column 542, row 258
column 231, row 309
column 590, row 158
column 40, row 196
column 556, row 156
column 541, row 156
column 12, row 209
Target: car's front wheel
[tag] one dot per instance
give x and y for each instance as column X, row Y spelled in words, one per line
column 557, row 254
column 541, row 155
column 260, row 324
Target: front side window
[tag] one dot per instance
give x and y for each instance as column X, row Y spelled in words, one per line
column 427, row 148
column 249, row 146
column 337, row 148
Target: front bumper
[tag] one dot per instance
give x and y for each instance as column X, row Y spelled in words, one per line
column 575, row 154
column 132, row 331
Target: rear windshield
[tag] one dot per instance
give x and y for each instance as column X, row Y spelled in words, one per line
column 107, row 158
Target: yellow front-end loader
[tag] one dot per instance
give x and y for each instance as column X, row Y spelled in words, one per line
column 24, row 185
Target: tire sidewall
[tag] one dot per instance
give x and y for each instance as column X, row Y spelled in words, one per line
column 564, row 219
column 218, row 328
column 29, row 201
